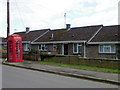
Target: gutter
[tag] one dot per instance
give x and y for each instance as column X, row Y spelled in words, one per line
column 26, row 41
column 103, row 43
column 57, row 42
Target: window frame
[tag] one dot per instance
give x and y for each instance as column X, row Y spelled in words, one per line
column 54, row 46
column 40, row 47
column 4, row 46
column 78, row 45
column 25, row 47
column 103, row 46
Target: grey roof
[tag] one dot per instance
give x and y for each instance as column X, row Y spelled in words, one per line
column 52, row 35
column 31, row 35
column 108, row 34
column 80, row 33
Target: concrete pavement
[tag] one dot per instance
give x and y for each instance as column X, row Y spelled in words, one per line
column 78, row 73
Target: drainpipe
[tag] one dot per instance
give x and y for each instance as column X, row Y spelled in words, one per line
column 62, row 49
column 84, row 50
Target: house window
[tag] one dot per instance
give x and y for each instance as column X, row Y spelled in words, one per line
column 26, row 47
column 4, row 46
column 107, row 49
column 77, row 48
column 42, row 47
column 54, row 47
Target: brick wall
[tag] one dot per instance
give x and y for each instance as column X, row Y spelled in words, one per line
column 92, row 51
column 34, row 47
column 106, row 63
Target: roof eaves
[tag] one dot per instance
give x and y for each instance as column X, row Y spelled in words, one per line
column 57, row 42
column 86, row 26
column 104, row 42
column 26, row 42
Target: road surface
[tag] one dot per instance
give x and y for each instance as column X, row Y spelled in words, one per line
column 14, row 77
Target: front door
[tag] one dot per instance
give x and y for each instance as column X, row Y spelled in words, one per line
column 65, row 49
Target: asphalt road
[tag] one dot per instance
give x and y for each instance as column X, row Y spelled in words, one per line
column 13, row 77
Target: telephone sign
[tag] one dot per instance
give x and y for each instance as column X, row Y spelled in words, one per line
column 14, row 48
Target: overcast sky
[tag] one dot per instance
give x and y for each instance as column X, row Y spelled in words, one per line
column 43, row 14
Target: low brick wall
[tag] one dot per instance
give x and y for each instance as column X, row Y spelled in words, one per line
column 106, row 63
column 31, row 57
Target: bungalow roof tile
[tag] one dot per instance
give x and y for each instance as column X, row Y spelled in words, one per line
column 80, row 33
column 32, row 35
column 52, row 35
column 108, row 34
column 77, row 34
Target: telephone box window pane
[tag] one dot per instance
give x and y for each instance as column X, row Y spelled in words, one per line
column 18, row 49
column 10, row 49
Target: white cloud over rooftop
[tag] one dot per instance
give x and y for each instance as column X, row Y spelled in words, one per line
column 39, row 14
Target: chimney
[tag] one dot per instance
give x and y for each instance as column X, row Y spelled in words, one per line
column 27, row 29
column 68, row 26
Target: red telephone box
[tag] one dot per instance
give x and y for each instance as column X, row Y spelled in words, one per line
column 14, row 48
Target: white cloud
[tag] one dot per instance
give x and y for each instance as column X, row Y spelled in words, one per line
column 105, row 18
column 50, row 13
column 106, row 4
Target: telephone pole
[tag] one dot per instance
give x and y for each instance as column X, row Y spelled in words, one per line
column 8, row 18
column 8, row 23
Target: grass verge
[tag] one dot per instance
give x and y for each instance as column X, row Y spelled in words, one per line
column 83, row 67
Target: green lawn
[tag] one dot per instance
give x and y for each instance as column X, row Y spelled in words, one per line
column 83, row 67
